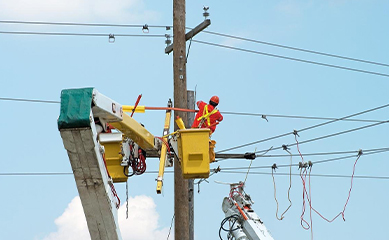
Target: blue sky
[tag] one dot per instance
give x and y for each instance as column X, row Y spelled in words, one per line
column 39, row 67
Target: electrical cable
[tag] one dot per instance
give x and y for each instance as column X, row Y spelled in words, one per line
column 235, row 218
column 370, row 151
column 305, row 129
column 214, row 171
column 289, row 188
column 294, row 48
column 308, row 196
column 197, row 41
column 323, row 153
column 41, row 174
column 298, row 117
column 28, row 100
column 169, row 232
column 313, row 175
column 227, row 169
column 291, row 58
column 334, row 134
column 37, row 174
column 303, row 178
column 204, row 31
column 191, row 110
column 82, row 34
column 314, row 162
column 82, row 24
column 118, row 203
column 276, row 200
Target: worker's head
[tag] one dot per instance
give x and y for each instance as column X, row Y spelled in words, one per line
column 214, row 101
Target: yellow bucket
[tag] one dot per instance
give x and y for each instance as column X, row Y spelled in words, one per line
column 193, row 145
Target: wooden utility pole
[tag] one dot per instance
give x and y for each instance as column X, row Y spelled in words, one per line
column 184, row 211
column 180, row 101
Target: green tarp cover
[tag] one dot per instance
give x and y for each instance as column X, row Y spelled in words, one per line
column 75, row 108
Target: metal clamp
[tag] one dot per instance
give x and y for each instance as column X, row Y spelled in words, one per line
column 111, row 38
column 145, row 28
column 168, row 41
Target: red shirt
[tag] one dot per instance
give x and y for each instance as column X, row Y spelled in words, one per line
column 213, row 117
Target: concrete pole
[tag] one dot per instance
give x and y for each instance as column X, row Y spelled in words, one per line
column 180, row 101
column 190, row 120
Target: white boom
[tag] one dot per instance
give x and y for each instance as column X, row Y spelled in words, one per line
column 244, row 223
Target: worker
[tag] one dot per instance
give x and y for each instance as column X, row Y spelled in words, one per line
column 208, row 115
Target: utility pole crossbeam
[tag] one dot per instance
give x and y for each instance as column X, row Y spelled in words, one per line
column 191, row 34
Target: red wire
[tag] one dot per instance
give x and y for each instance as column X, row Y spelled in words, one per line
column 105, row 164
column 115, row 195
column 304, row 190
column 112, row 186
column 141, row 166
column 235, row 190
column 311, row 218
column 166, row 144
column 308, row 196
column 350, row 189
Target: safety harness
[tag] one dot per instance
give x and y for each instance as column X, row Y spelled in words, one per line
column 206, row 116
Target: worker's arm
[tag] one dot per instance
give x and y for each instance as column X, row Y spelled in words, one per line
column 219, row 116
column 200, row 104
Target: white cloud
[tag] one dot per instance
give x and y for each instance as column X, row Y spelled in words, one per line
column 71, row 223
column 132, row 11
column 142, row 223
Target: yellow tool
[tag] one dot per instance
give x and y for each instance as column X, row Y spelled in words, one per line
column 180, row 123
column 138, row 109
column 164, row 149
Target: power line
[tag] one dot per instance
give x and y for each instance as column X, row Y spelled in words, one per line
column 311, row 154
column 232, row 113
column 202, row 42
column 28, row 100
column 83, row 24
column 36, row 174
column 341, row 158
column 327, row 153
column 312, row 175
column 304, row 129
column 374, row 151
column 290, row 58
column 208, row 32
column 55, row 173
column 327, row 136
column 222, row 171
column 294, row 116
column 82, row 34
column 314, row 162
column 330, row 135
column 295, row 48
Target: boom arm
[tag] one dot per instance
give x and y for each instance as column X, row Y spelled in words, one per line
column 84, row 115
column 79, row 134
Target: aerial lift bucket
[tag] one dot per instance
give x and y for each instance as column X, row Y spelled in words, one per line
column 193, row 145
